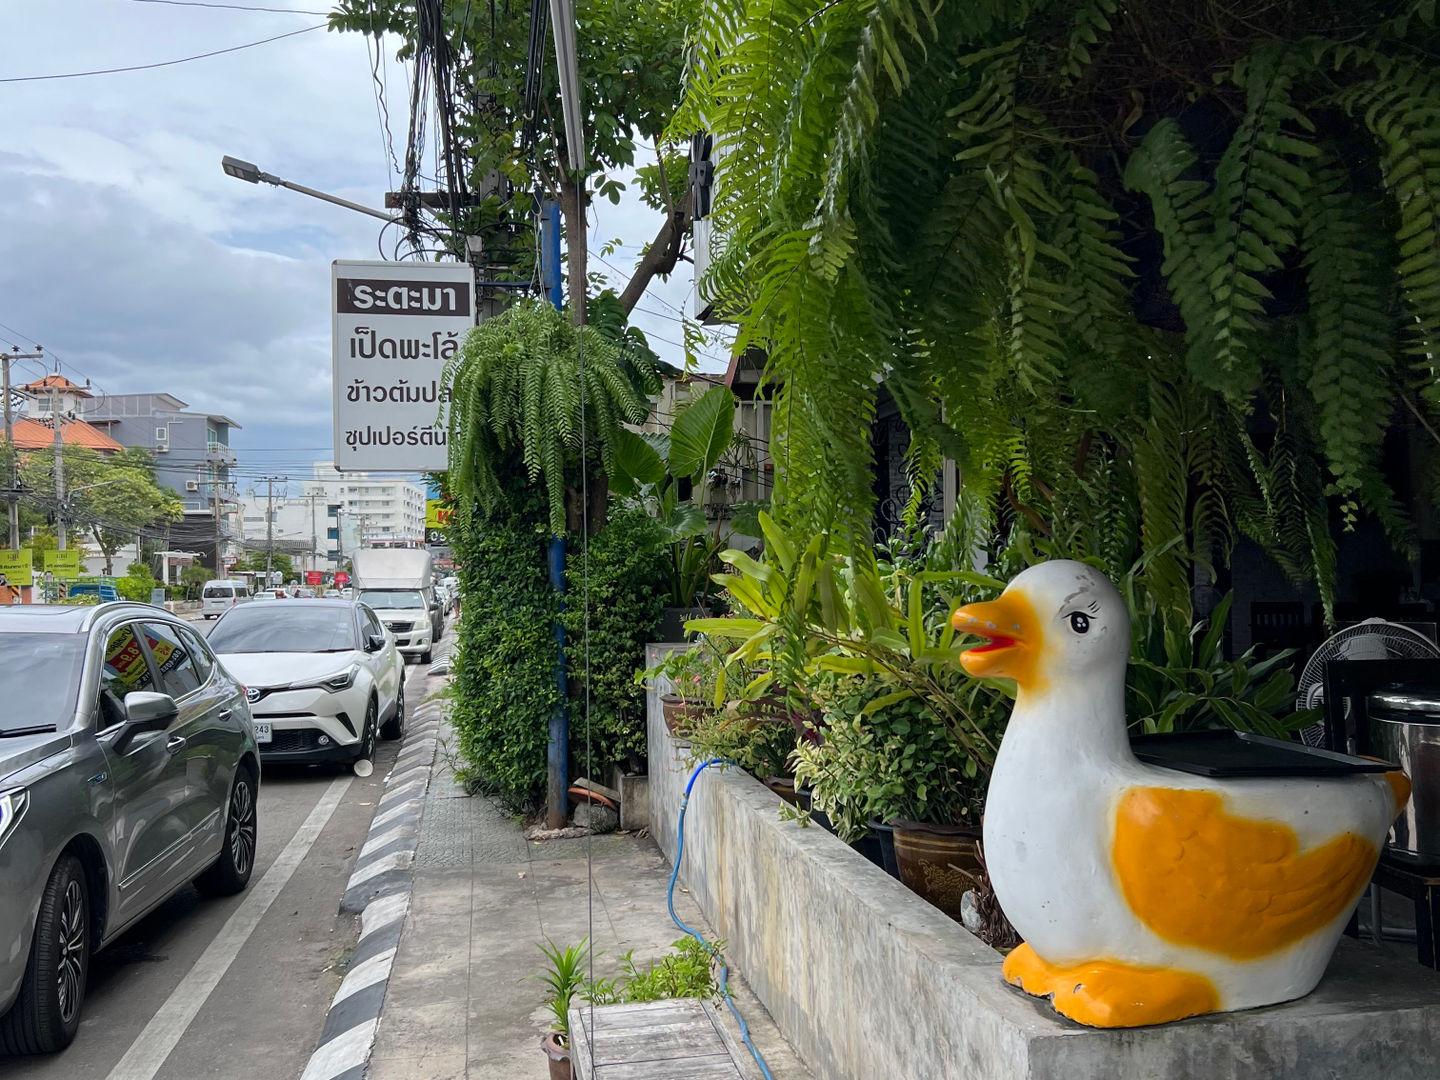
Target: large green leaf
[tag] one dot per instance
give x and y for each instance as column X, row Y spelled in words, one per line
column 636, row 463
column 684, row 521
column 702, row 431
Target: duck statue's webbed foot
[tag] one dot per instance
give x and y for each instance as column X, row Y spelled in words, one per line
column 1106, row 993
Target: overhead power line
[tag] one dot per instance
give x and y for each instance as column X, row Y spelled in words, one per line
column 231, row 7
column 162, row 63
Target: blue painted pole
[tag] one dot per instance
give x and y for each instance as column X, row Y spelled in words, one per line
column 557, row 751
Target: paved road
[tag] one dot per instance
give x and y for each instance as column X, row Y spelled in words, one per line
column 233, row 988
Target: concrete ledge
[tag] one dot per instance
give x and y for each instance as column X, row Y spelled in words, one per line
column 869, row 982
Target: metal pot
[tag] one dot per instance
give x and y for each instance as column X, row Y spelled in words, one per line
column 1403, row 724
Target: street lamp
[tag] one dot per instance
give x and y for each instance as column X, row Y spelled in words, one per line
column 252, row 174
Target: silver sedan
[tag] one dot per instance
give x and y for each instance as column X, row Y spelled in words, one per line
column 128, row 768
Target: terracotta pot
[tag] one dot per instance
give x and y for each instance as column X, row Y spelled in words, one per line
column 559, row 1056
column 678, row 714
column 938, row 862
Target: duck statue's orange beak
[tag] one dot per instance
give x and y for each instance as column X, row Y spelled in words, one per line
column 1015, row 640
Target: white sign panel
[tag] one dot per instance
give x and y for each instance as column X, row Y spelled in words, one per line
column 396, row 325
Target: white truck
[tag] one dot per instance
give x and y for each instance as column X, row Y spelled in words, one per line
column 398, row 584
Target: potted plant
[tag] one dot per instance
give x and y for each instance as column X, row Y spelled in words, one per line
column 891, row 778
column 686, row 971
column 692, row 675
column 564, row 977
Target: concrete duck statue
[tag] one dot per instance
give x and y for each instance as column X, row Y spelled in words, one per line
column 1142, row 894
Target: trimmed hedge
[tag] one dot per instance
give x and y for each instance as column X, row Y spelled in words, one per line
column 504, row 683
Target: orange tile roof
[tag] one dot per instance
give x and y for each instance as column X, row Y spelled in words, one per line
column 33, row 435
column 57, row 382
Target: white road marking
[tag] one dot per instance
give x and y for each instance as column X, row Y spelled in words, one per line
column 153, row 1045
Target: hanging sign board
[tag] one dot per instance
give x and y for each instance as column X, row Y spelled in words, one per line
column 395, row 327
column 17, row 567
column 65, row 565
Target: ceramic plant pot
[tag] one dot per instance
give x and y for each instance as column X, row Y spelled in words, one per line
column 938, row 862
column 558, row 1055
column 678, row 714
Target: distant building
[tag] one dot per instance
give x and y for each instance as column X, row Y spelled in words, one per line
column 383, row 509
column 306, row 527
column 332, row 514
column 193, row 459
column 41, row 401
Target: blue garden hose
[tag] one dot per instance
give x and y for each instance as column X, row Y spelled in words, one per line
column 670, row 903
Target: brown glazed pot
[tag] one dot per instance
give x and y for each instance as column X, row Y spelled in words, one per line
column 784, row 786
column 938, row 862
column 678, row 713
column 559, row 1056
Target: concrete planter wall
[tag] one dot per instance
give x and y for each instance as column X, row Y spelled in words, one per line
column 869, row 982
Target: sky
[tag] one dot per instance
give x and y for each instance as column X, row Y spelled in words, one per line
column 139, row 265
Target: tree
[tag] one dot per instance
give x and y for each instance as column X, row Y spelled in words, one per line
column 630, row 60
column 1157, row 275
column 193, row 578
column 112, row 499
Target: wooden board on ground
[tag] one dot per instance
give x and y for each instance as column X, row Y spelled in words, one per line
column 683, row 1039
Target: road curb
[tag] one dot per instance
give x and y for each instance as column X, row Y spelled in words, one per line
column 379, row 892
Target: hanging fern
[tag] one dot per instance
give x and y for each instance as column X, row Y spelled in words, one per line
column 516, row 392
column 965, row 201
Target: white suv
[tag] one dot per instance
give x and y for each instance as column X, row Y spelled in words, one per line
column 323, row 678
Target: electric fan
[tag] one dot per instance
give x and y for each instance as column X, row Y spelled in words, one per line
column 1373, row 639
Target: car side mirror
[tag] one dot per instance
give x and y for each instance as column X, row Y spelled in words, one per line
column 375, row 642
column 145, row 712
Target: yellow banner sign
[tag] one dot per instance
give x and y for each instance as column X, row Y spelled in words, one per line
column 437, row 514
column 17, row 568
column 63, row 564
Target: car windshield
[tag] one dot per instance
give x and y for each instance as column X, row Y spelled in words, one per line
column 40, row 675
column 284, row 628
column 385, row 598
column 222, row 591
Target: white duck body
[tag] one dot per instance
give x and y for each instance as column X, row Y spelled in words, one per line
column 1086, row 856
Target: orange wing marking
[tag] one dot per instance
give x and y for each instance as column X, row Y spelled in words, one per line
column 1199, row 876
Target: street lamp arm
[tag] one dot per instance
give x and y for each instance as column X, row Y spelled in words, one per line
column 252, row 174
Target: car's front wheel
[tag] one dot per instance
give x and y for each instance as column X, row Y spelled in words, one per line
column 395, row 727
column 46, row 1015
column 230, row 872
column 365, row 748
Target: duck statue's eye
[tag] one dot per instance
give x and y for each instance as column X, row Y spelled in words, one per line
column 1079, row 622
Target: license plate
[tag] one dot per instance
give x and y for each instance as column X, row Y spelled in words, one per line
column 262, row 733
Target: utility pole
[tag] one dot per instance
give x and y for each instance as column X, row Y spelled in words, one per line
column 59, row 469
column 269, row 526
column 12, row 491
column 557, row 750
column 215, row 500
column 314, row 533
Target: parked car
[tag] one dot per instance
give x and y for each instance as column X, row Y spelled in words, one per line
column 128, row 768
column 333, row 594
column 323, row 678
column 220, row 596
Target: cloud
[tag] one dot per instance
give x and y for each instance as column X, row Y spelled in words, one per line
column 132, row 257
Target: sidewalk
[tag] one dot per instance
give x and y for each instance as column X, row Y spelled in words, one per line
column 463, row 1003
